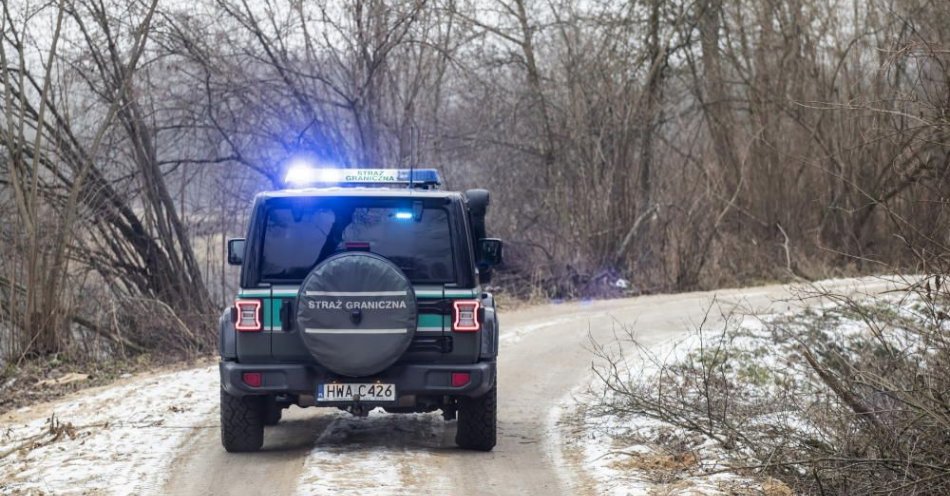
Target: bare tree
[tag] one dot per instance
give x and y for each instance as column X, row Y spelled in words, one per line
column 675, row 144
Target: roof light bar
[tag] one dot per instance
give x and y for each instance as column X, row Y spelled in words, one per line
column 300, row 176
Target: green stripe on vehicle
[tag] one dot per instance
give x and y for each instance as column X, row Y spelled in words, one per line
column 427, row 292
column 271, row 316
column 434, row 320
column 273, row 319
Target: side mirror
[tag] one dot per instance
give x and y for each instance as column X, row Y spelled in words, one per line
column 236, row 251
column 489, row 252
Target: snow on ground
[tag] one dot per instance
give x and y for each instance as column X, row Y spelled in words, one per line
column 631, row 455
column 628, row 453
column 120, row 440
column 354, row 456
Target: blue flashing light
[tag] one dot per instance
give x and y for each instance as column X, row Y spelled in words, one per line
column 403, row 215
column 299, row 174
column 422, row 176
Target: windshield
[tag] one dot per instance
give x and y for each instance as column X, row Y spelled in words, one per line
column 297, row 237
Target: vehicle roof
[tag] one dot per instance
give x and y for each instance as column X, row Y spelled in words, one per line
column 359, row 192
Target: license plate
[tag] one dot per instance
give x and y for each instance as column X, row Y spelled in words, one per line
column 353, row 392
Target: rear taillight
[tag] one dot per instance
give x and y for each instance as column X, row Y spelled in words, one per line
column 466, row 316
column 248, row 315
column 460, row 379
column 253, row 379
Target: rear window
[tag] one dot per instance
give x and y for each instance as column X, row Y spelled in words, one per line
column 297, row 237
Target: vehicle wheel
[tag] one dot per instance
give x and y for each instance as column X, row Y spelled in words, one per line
column 242, row 422
column 272, row 411
column 477, row 422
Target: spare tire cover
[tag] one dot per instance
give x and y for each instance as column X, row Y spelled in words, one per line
column 356, row 313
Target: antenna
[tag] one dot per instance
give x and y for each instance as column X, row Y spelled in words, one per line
column 412, row 152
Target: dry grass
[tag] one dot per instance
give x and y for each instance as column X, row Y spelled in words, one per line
column 845, row 400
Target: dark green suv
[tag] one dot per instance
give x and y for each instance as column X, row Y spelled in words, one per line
column 362, row 289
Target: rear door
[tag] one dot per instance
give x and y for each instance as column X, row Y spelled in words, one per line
column 296, row 234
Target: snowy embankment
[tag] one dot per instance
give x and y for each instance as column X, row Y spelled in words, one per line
column 628, row 453
column 120, row 440
column 649, row 424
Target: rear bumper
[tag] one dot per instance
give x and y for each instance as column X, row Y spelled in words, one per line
column 421, row 379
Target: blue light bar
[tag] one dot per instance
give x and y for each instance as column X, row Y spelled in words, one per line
column 403, row 215
column 422, row 176
column 305, row 176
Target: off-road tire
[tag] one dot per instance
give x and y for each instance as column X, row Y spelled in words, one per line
column 272, row 411
column 242, row 422
column 477, row 427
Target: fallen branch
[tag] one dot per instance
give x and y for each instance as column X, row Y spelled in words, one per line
column 54, row 432
column 854, row 403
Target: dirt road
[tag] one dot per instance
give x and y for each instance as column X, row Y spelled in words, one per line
column 544, row 356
